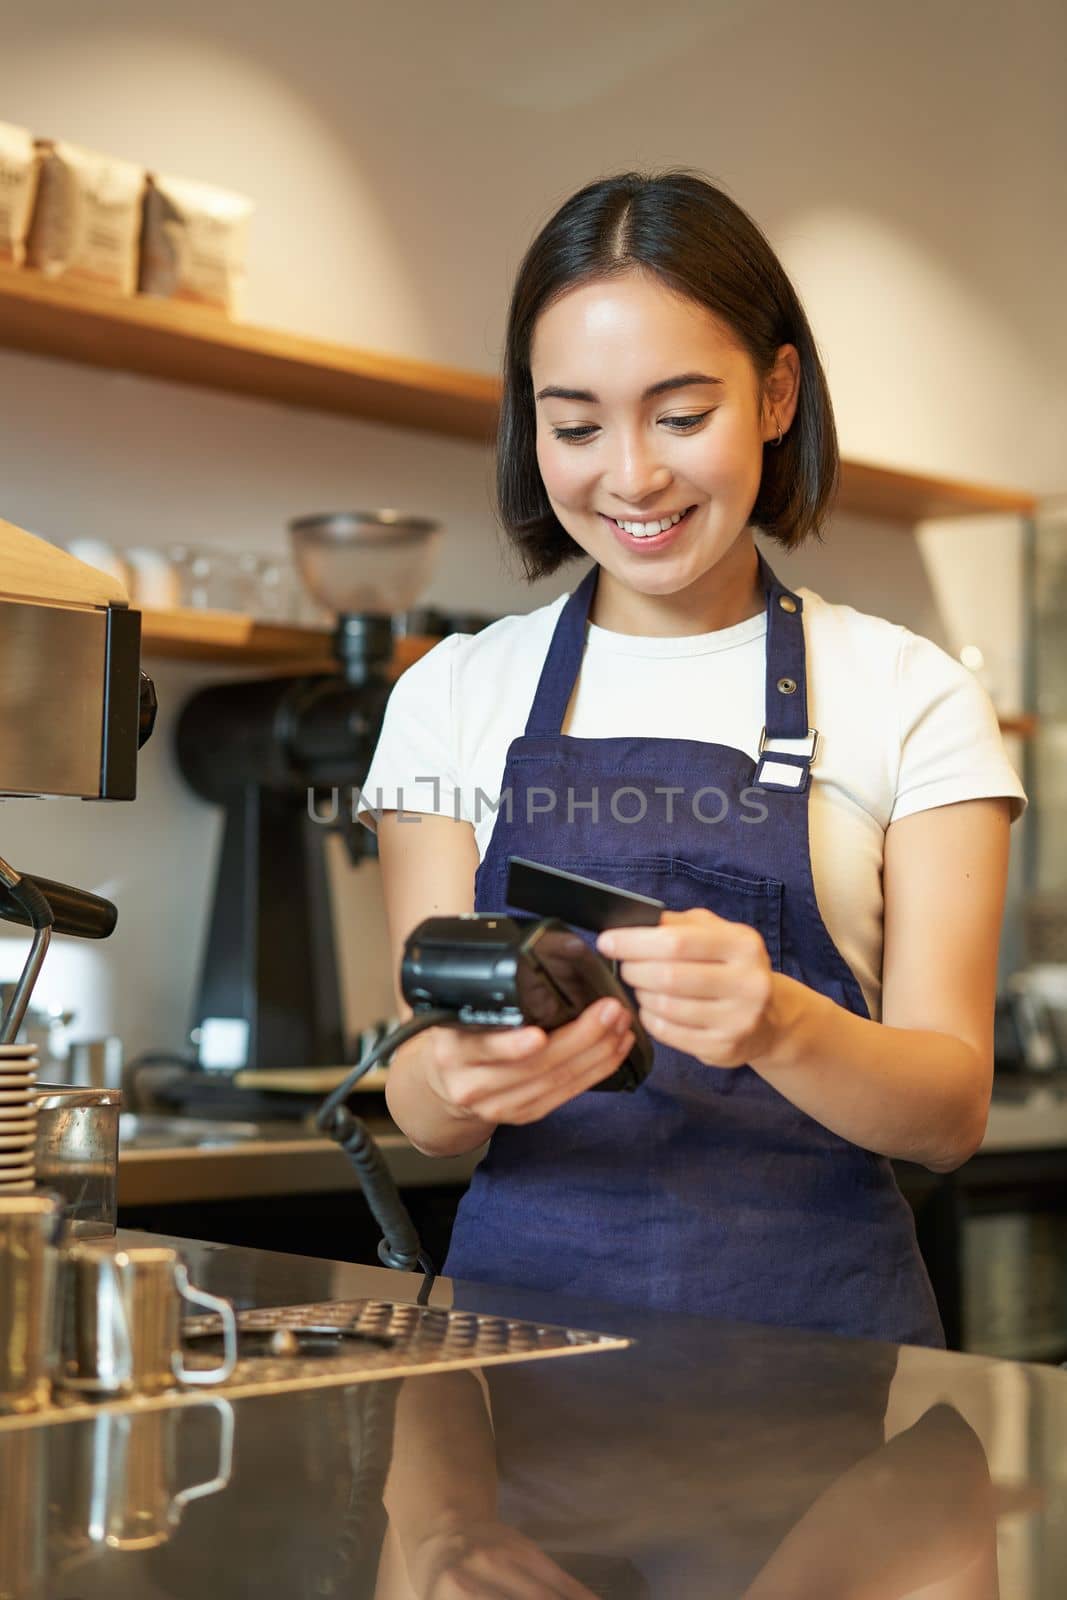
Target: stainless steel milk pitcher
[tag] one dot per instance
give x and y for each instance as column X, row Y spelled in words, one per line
column 121, row 1321
column 30, row 1230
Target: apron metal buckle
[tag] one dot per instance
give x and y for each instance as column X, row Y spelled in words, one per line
column 809, row 755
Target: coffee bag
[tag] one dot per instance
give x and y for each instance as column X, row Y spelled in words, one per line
column 194, row 242
column 18, row 187
column 87, row 221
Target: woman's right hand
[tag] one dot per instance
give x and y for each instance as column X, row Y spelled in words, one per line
column 505, row 1075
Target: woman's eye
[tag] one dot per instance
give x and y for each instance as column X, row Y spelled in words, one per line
column 679, row 423
column 573, row 433
column 676, row 425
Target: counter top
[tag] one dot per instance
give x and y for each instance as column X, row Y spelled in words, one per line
column 1028, row 1113
column 707, row 1459
column 283, row 1158
column 288, row 1158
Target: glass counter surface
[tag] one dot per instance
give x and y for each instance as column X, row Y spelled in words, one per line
column 707, row 1459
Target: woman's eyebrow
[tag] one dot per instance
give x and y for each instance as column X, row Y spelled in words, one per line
column 684, row 380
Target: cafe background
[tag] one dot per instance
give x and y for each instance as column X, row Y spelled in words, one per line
column 906, row 163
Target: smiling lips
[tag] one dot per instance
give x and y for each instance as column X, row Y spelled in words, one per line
column 652, row 535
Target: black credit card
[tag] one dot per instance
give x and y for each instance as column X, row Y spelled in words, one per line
column 551, row 892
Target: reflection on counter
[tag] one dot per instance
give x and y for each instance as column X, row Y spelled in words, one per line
column 706, row 1460
column 916, row 1510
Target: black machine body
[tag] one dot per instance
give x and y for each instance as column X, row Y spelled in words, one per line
column 493, row 971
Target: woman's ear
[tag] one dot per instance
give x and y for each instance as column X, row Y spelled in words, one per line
column 781, row 392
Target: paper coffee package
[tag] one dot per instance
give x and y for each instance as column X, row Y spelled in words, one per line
column 194, row 242
column 87, row 222
column 19, row 165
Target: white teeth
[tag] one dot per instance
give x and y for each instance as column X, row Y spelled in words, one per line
column 648, row 530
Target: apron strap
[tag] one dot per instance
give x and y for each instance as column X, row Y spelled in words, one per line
column 786, row 706
column 786, row 694
column 563, row 661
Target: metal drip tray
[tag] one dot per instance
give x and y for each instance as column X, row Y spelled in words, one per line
column 332, row 1343
column 343, row 1340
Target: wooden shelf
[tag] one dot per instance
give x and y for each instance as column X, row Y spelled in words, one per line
column 909, row 497
column 228, row 639
column 225, row 637
column 185, row 344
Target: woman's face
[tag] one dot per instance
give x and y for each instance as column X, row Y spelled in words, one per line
column 659, row 415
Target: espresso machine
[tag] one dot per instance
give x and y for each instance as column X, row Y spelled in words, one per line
column 75, row 706
column 75, row 709
column 285, row 757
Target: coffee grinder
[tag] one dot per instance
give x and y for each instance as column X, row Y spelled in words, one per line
column 285, row 757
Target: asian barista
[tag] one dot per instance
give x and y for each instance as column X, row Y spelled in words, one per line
column 819, row 796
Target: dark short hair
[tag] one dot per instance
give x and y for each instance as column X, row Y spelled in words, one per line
column 698, row 242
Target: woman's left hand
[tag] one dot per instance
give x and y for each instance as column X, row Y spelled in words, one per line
column 704, row 985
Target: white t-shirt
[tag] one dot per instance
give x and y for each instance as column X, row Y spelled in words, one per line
column 903, row 727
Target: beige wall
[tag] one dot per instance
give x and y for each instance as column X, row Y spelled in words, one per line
column 903, row 160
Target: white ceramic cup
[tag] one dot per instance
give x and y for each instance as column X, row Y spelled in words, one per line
column 155, row 580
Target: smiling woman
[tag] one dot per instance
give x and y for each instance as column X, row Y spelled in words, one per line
column 740, row 331
column 654, row 475
column 820, row 989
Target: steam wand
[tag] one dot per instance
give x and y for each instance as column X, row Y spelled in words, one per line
column 30, row 906
column 45, row 906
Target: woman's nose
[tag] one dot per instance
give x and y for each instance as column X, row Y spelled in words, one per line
column 636, row 473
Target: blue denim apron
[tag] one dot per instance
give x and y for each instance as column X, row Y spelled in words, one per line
column 705, row 1191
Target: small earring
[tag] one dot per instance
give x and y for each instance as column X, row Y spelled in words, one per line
column 774, row 443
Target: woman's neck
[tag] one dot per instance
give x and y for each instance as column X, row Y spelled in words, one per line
column 729, row 593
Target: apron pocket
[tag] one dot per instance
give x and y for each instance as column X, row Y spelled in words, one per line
column 684, row 886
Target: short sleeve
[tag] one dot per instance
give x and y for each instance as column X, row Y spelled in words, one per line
column 414, row 765
column 950, row 742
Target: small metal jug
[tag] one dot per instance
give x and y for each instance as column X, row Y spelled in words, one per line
column 31, row 1226
column 121, row 1321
